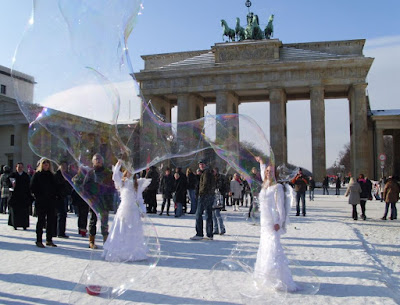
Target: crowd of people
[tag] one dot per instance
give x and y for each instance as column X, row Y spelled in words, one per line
column 48, row 195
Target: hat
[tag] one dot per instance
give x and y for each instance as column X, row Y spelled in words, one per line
column 201, row 161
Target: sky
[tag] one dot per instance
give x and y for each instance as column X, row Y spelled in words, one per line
column 175, row 26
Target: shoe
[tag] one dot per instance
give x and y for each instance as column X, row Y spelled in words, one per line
column 82, row 233
column 215, row 233
column 160, row 214
column 384, row 218
column 196, row 237
column 167, row 214
column 355, row 218
column 364, row 217
column 222, row 233
column 50, row 244
column 297, row 214
column 24, row 228
column 63, row 236
column 223, row 210
column 209, row 238
column 39, row 244
column 390, row 218
column 304, row 215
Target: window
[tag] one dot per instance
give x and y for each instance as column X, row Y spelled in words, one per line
column 3, row 89
column 12, row 140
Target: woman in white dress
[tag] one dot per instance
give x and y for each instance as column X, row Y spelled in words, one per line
column 272, row 267
column 126, row 241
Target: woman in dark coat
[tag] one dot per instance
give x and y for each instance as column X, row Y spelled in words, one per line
column 44, row 188
column 180, row 193
column 20, row 199
column 167, row 186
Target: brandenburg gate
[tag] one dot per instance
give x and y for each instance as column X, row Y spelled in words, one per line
column 268, row 70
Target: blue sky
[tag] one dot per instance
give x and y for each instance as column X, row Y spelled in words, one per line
column 172, row 26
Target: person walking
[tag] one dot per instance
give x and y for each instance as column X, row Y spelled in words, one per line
column 44, row 188
column 300, row 186
column 391, row 196
column 205, row 202
column 353, row 191
column 20, row 198
column 167, row 186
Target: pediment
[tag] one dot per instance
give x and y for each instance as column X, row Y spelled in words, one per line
column 8, row 106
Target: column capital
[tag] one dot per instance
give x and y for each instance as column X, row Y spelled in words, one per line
column 277, row 95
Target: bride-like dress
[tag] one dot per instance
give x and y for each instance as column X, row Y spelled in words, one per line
column 126, row 241
column 272, row 266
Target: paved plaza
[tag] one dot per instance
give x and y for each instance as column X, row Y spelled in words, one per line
column 353, row 262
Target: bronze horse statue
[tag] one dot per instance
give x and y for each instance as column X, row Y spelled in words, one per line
column 269, row 29
column 227, row 31
column 239, row 30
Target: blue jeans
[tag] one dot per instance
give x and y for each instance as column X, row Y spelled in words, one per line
column 193, row 201
column 218, row 222
column 178, row 209
column 311, row 194
column 205, row 204
column 302, row 196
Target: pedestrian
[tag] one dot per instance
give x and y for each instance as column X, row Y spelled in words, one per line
column 167, row 186
column 219, row 227
column 205, row 202
column 311, row 187
column 353, row 191
column 5, row 185
column 182, row 175
column 382, row 183
column 150, row 194
column 191, row 189
column 20, row 198
column 391, row 196
column 236, row 188
column 44, row 188
column 80, row 204
column 325, row 185
column 98, row 186
column 365, row 194
column 221, row 185
column 255, row 188
column 126, row 241
column 271, row 266
column 300, row 186
column 64, row 190
column 180, row 193
column 338, row 183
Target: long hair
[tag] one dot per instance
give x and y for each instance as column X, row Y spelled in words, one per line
column 40, row 165
column 274, row 177
column 135, row 182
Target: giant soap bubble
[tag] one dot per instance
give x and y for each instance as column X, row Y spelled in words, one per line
column 86, row 100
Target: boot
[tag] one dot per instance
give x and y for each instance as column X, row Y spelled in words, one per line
column 168, row 205
column 162, row 209
column 105, row 238
column 91, row 242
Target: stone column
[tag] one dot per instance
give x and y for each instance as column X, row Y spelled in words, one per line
column 17, row 143
column 317, row 107
column 379, row 150
column 227, row 131
column 359, row 130
column 396, row 153
column 278, row 129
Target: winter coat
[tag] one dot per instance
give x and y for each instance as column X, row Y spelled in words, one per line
column 300, row 183
column 236, row 189
column 167, row 186
column 180, row 190
column 365, row 192
column 391, row 191
column 44, row 187
column 191, row 181
column 354, row 190
column 155, row 179
column 207, row 183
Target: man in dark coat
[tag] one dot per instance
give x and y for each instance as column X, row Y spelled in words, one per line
column 205, row 202
column 20, row 199
column 150, row 193
column 180, row 192
column 300, row 186
column 64, row 190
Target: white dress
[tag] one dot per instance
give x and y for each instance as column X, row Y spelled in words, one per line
column 272, row 266
column 126, row 241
